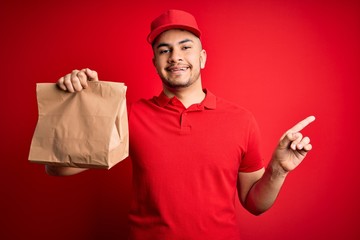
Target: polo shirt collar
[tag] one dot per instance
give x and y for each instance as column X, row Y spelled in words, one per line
column 209, row 101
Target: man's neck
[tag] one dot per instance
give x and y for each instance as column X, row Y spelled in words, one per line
column 187, row 96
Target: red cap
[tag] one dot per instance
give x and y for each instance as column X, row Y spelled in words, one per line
column 173, row 19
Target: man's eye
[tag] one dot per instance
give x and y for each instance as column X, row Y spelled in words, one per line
column 164, row 51
column 186, row 47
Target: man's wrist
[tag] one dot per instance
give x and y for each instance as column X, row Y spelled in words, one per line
column 275, row 170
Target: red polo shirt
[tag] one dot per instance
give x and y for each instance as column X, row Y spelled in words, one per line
column 185, row 167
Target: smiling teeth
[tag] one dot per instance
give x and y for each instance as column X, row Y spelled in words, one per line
column 178, row 69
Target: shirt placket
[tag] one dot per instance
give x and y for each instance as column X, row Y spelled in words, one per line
column 185, row 117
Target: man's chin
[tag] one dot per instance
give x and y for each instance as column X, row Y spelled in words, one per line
column 176, row 85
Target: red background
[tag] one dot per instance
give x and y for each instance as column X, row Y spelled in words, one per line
column 283, row 60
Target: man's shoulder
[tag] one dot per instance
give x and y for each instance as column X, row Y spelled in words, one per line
column 223, row 104
column 142, row 103
column 235, row 113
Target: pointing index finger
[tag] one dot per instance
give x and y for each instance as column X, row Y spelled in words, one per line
column 302, row 124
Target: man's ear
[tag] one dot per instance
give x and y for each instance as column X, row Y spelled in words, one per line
column 203, row 57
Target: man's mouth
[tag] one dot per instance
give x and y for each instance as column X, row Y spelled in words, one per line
column 175, row 69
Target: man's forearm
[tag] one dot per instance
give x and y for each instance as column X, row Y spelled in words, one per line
column 62, row 171
column 265, row 191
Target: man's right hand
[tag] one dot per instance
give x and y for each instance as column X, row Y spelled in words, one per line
column 77, row 80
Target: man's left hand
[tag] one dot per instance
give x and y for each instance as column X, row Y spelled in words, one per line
column 292, row 147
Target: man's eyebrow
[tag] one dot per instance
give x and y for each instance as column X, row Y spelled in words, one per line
column 185, row 41
column 163, row 45
column 168, row 45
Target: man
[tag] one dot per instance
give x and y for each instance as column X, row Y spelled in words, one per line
column 193, row 154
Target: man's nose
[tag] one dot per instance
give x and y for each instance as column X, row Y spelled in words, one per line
column 175, row 56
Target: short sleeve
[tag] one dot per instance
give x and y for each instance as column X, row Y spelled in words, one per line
column 252, row 159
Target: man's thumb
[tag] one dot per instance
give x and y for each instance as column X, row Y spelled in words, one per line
column 92, row 75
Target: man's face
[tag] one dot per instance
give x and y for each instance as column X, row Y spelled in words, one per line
column 178, row 58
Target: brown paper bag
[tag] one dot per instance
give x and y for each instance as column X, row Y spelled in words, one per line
column 87, row 129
